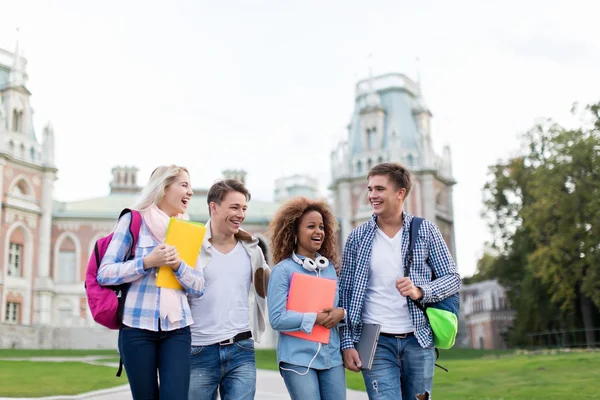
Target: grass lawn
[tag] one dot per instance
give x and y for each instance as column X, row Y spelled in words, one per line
column 22, row 353
column 475, row 374
column 37, row 379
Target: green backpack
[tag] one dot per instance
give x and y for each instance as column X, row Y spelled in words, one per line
column 443, row 315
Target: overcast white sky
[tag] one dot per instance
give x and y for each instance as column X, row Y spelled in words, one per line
column 212, row 81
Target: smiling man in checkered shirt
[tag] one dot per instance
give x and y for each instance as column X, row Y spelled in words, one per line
column 374, row 290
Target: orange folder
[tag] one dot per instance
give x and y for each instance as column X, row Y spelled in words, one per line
column 187, row 237
column 309, row 293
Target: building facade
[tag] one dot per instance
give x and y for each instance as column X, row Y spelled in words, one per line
column 27, row 175
column 485, row 316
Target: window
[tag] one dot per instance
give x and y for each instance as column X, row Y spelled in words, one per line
column 20, row 189
column 15, row 256
column 12, row 312
column 67, row 265
column 358, row 167
column 372, row 138
column 17, row 123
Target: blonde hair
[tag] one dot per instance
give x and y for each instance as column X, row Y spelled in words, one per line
column 160, row 179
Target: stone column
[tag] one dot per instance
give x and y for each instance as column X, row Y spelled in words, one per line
column 428, row 198
column 345, row 213
column 44, row 285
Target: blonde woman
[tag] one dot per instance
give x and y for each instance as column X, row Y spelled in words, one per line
column 155, row 335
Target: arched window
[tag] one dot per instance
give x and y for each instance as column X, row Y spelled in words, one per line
column 66, row 270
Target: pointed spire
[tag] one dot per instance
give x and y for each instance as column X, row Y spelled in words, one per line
column 447, row 161
column 48, row 145
column 373, row 100
column 15, row 77
column 371, row 71
column 418, row 66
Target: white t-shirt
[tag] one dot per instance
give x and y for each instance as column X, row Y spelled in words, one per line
column 223, row 310
column 384, row 305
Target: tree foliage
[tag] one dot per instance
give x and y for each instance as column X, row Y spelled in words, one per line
column 543, row 209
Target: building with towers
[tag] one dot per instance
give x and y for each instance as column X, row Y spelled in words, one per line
column 391, row 122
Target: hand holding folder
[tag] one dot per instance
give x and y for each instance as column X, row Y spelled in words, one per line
column 187, row 237
column 310, row 293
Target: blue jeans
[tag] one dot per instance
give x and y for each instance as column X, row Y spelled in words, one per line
column 144, row 352
column 230, row 369
column 402, row 369
column 316, row 384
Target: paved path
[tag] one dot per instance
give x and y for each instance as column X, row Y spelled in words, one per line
column 269, row 384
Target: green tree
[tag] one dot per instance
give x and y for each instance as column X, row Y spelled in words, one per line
column 543, row 209
column 564, row 220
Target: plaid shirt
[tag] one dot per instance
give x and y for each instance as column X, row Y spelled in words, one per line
column 431, row 258
column 143, row 297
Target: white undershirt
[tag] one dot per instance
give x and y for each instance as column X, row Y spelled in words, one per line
column 383, row 303
column 223, row 310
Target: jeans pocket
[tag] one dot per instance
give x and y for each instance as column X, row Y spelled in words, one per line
column 196, row 350
column 247, row 344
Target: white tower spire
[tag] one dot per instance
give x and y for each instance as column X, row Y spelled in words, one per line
column 15, row 77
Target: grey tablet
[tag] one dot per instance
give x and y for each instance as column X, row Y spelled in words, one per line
column 368, row 343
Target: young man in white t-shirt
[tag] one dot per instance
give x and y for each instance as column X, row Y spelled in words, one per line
column 374, row 290
column 223, row 357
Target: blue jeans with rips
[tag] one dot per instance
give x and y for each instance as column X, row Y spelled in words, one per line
column 229, row 369
column 402, row 369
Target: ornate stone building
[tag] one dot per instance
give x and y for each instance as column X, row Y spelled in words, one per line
column 27, row 174
column 391, row 122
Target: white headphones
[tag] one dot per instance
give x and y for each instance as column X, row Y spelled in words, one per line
column 308, row 264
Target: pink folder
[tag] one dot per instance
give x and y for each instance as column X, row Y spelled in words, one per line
column 309, row 293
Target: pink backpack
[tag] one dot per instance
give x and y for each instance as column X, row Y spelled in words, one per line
column 106, row 302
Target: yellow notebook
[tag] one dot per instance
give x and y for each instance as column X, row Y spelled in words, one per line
column 187, row 237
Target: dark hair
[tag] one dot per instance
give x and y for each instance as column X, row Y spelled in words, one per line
column 219, row 189
column 284, row 227
column 397, row 174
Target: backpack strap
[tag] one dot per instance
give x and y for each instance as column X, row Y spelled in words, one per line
column 134, row 229
column 415, row 224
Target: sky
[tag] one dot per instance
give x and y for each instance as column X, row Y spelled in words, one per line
column 268, row 86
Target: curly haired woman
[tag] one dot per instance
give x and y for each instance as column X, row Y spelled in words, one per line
column 303, row 241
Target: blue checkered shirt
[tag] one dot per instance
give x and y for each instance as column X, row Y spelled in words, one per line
column 142, row 304
column 433, row 270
